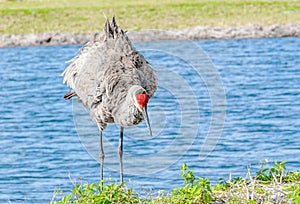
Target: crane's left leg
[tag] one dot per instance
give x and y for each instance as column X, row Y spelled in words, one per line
column 121, row 153
column 101, row 157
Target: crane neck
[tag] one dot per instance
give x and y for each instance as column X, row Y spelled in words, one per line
column 129, row 113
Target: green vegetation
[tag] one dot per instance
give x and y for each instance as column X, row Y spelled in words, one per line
column 37, row 16
column 270, row 185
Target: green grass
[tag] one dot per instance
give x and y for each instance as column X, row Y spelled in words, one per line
column 37, row 16
column 269, row 185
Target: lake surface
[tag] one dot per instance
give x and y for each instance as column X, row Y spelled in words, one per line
column 46, row 140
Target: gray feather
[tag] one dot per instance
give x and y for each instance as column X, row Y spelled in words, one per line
column 104, row 71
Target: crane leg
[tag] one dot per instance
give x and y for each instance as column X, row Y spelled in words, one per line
column 121, row 153
column 101, row 156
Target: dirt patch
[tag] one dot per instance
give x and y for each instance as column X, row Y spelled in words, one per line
column 196, row 33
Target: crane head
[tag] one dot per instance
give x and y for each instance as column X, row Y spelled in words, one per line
column 141, row 99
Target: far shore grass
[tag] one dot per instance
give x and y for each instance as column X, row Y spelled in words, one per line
column 76, row 16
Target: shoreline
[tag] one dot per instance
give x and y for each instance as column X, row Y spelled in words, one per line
column 195, row 33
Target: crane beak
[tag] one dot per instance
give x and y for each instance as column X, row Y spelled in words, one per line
column 145, row 115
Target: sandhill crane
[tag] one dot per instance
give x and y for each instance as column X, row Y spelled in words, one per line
column 113, row 81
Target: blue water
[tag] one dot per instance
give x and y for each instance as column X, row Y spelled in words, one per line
column 40, row 149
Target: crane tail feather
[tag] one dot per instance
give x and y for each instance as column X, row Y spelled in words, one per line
column 113, row 24
column 70, row 94
column 112, row 29
column 108, row 30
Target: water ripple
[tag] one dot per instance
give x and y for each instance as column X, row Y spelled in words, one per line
column 39, row 146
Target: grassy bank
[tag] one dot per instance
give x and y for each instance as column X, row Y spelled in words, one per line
column 37, row 16
column 268, row 185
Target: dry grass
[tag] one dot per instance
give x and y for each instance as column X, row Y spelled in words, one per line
column 37, row 16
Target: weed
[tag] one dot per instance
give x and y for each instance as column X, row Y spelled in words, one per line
column 270, row 185
column 275, row 173
column 193, row 191
column 98, row 193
